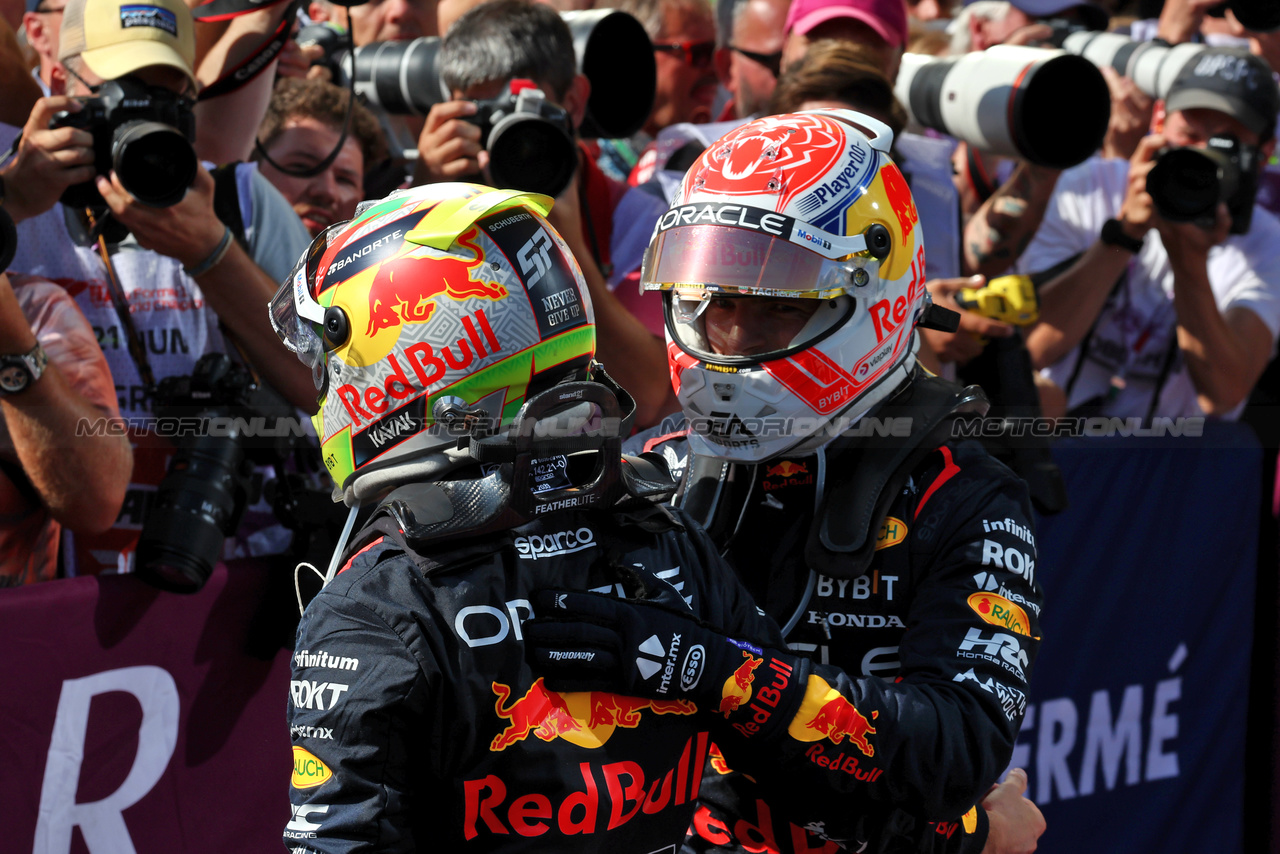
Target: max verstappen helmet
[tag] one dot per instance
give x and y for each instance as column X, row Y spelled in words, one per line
column 809, row 206
column 440, row 303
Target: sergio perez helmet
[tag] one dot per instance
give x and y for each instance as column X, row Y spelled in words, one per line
column 807, row 205
column 434, row 309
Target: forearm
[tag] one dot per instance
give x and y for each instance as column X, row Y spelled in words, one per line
column 81, row 475
column 1217, row 360
column 226, row 125
column 238, row 291
column 1071, row 302
column 1001, row 229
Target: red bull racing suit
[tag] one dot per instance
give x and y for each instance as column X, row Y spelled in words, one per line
column 417, row 725
column 931, row 647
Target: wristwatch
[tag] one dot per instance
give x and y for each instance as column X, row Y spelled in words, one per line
column 17, row 373
column 1113, row 235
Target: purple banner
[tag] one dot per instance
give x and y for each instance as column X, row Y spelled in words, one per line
column 136, row 720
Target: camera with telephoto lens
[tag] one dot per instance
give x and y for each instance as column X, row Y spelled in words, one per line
column 611, row 47
column 144, row 133
column 223, row 424
column 529, row 140
column 1187, row 183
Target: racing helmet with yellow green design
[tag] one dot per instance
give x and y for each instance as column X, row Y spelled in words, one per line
column 439, row 308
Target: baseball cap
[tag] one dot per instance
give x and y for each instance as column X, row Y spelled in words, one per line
column 118, row 37
column 1230, row 80
column 1091, row 15
column 887, row 17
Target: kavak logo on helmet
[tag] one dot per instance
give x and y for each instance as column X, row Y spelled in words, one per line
column 781, row 157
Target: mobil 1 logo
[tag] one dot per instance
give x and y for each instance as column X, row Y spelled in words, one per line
column 544, row 272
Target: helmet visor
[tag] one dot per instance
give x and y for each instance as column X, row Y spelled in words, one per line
column 295, row 315
column 727, row 259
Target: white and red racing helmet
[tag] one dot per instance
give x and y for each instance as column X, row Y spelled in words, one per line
column 807, row 205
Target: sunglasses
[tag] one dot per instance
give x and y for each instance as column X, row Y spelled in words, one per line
column 771, row 61
column 694, row 54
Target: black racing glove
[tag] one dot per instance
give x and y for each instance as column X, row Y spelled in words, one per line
column 660, row 651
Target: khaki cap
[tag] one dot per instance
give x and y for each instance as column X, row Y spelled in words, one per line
column 118, row 37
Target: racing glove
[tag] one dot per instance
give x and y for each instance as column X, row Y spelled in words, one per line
column 657, row 649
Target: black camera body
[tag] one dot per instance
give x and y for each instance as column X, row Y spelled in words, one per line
column 1187, row 184
column 223, row 424
column 529, row 140
column 144, row 133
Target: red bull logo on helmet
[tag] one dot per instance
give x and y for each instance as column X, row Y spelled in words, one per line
column 825, row 713
column 404, row 289
column 584, row 718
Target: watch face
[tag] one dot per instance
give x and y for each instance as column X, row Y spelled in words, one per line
column 14, row 378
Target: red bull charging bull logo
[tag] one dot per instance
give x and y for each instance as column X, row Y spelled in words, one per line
column 584, row 718
column 786, row 468
column 825, row 713
column 737, row 688
column 404, row 289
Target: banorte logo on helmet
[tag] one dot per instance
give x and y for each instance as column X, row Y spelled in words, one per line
column 404, row 289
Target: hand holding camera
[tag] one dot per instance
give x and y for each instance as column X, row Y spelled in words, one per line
column 48, row 160
column 1138, row 213
column 450, row 144
column 519, row 139
column 188, row 231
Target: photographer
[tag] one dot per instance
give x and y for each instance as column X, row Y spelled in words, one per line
column 1157, row 317
column 163, row 285
column 488, row 48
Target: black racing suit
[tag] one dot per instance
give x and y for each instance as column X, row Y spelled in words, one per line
column 937, row 638
column 418, row 726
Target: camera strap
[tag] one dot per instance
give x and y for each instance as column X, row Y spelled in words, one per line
column 256, row 62
column 121, row 304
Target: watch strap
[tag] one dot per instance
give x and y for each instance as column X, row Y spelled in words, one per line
column 1113, row 235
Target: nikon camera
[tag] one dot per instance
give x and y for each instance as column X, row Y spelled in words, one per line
column 145, row 133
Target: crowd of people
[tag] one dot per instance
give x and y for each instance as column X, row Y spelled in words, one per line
column 186, row 182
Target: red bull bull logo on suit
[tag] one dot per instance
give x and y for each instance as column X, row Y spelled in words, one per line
column 584, row 718
column 825, row 713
